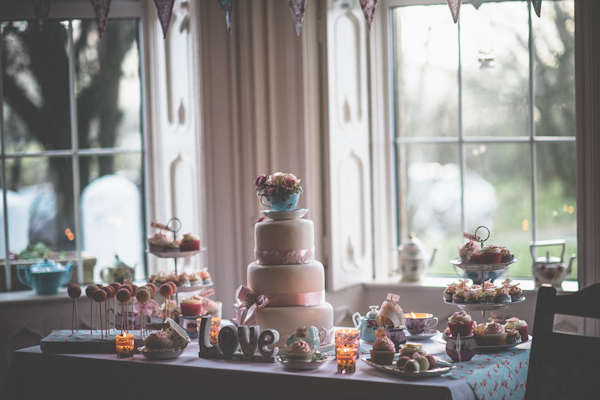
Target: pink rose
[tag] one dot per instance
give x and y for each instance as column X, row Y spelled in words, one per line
column 271, row 190
column 260, row 180
column 289, row 181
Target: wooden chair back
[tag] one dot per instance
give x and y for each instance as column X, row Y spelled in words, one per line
column 564, row 365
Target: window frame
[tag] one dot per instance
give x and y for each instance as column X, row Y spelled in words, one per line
column 68, row 11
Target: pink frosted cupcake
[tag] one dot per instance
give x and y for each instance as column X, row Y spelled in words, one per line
column 494, row 334
column 467, row 250
column 190, row 242
column 461, row 322
column 520, row 325
column 299, row 351
column 383, row 351
column 487, row 255
column 158, row 242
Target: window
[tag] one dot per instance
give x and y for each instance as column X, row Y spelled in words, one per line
column 73, row 150
column 485, row 126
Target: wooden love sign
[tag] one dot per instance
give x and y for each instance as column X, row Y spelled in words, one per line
column 247, row 338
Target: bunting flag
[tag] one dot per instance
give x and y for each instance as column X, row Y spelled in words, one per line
column 477, row 3
column 297, row 7
column 164, row 9
column 42, row 9
column 227, row 7
column 537, row 6
column 368, row 7
column 454, row 8
column 101, row 10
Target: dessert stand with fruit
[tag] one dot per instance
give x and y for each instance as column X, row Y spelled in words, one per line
column 483, row 260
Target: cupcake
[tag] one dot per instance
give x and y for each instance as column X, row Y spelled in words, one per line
column 205, row 276
column 172, row 246
column 195, row 279
column 190, row 242
column 299, row 351
column 158, row 242
column 191, row 307
column 472, row 297
column 461, row 322
column 410, row 349
column 183, row 280
column 516, row 294
column 502, row 296
column 488, row 296
column 467, row 250
column 446, row 334
column 487, row 255
column 520, row 325
column 494, row 334
column 460, row 296
column 513, row 336
column 449, row 292
column 383, row 351
column 158, row 341
column 478, row 332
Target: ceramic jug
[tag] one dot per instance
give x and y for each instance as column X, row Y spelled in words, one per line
column 367, row 325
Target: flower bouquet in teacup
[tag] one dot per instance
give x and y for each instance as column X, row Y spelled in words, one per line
column 281, row 190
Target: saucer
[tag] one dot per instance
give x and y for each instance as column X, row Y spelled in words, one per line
column 425, row 336
column 285, row 215
column 316, row 362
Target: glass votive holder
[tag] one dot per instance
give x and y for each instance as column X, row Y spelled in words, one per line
column 347, row 338
column 346, row 359
column 125, row 345
column 215, row 327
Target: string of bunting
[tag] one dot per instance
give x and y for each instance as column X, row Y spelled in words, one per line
column 164, row 9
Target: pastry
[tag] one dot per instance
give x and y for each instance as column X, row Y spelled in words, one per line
column 449, row 292
column 410, row 349
column 299, row 351
column 513, row 336
column 158, row 242
column 383, row 351
column 423, row 363
column 158, row 341
column 432, row 361
column 472, row 297
column 412, row 367
column 402, row 361
column 494, row 334
column 460, row 296
column 487, row 255
column 191, row 307
column 502, row 296
column 519, row 325
column 460, row 322
column 487, row 296
column 190, row 242
column 467, row 250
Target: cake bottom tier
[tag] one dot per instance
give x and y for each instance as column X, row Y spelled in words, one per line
column 287, row 319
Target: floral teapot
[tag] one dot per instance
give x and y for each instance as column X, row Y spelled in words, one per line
column 119, row 272
column 413, row 259
column 367, row 325
column 46, row 276
column 548, row 269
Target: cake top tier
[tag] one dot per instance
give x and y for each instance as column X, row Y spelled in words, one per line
column 286, row 235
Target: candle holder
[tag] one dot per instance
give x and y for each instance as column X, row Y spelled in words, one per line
column 125, row 345
column 346, row 359
column 347, row 338
column 215, row 327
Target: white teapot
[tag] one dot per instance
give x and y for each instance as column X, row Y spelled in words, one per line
column 413, row 259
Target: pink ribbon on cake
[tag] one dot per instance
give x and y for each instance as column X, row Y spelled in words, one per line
column 246, row 312
column 288, row 257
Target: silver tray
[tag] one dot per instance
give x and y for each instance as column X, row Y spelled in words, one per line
column 481, row 267
column 175, row 254
column 483, row 306
column 441, row 369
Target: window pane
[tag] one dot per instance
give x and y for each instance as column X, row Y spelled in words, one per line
column 495, row 69
column 426, row 43
column 35, row 87
column 108, row 85
column 556, row 197
column 498, row 195
column 112, row 209
column 554, row 70
column 432, row 209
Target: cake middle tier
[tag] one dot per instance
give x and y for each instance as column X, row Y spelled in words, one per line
column 296, row 234
column 286, row 279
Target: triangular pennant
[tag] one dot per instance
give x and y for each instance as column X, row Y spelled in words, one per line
column 164, row 8
column 297, row 7
column 537, row 6
column 454, row 8
column 101, row 10
column 368, row 7
column 477, row 3
column 42, row 9
column 227, row 7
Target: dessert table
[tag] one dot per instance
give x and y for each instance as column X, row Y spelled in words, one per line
column 34, row 374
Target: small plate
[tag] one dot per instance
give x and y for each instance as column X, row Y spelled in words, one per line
column 481, row 267
column 441, row 369
column 175, row 254
column 317, row 361
column 425, row 336
column 285, row 215
column 166, row 354
column 491, row 348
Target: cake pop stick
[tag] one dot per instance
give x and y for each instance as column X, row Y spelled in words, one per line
column 109, row 293
column 99, row 296
column 143, row 296
column 123, row 297
column 89, row 292
column 166, row 291
column 74, row 291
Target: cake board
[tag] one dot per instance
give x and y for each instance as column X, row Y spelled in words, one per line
column 82, row 341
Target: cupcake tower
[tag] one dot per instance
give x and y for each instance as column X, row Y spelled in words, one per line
column 474, row 256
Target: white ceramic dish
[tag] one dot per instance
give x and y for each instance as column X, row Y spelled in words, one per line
column 441, row 369
column 284, row 215
column 425, row 336
column 481, row 267
column 166, row 354
column 317, row 361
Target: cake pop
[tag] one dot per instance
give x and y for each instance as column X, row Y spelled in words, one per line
column 123, row 296
column 89, row 292
column 152, row 287
column 74, row 291
column 143, row 296
column 99, row 296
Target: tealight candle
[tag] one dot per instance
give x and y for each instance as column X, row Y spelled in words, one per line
column 346, row 359
column 125, row 345
column 347, row 338
column 215, row 327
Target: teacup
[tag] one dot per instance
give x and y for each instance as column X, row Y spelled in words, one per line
column 281, row 202
column 418, row 323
